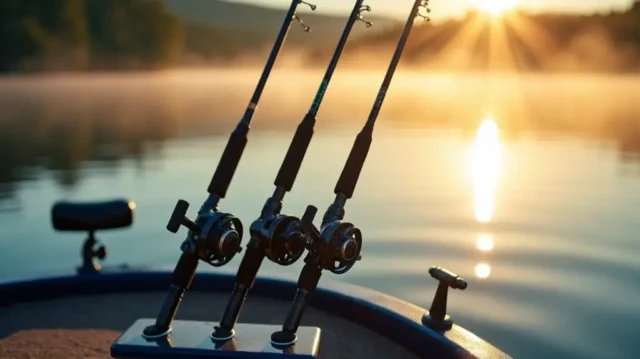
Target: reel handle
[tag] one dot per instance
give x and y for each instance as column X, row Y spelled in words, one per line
column 307, row 227
column 179, row 218
column 309, row 215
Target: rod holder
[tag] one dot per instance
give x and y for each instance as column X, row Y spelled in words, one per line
column 437, row 318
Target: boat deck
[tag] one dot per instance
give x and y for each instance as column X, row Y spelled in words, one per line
column 86, row 326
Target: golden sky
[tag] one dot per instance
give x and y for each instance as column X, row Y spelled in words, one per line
column 447, row 8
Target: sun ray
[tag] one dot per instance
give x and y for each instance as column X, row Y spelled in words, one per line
column 455, row 54
column 501, row 56
column 504, row 96
column 538, row 41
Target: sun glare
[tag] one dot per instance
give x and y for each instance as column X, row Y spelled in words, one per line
column 494, row 7
column 486, row 162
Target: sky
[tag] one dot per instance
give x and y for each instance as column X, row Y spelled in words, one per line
column 448, row 8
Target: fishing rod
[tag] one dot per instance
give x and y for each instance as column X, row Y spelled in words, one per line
column 274, row 235
column 215, row 237
column 336, row 247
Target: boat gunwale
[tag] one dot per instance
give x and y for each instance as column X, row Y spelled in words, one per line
column 391, row 317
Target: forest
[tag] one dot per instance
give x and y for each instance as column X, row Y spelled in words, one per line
column 76, row 35
column 87, row 34
column 80, row 35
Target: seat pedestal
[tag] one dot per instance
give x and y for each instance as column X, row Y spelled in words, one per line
column 191, row 339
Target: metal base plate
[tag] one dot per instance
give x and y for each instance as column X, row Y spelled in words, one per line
column 191, row 339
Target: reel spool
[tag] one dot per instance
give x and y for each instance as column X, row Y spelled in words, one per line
column 342, row 246
column 337, row 246
column 215, row 237
column 280, row 238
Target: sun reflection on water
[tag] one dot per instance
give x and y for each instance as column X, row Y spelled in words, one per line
column 483, row 270
column 485, row 242
column 486, row 160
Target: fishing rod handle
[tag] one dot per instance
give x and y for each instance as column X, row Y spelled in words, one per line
column 245, row 278
column 295, row 154
column 229, row 161
column 348, row 180
column 181, row 279
column 306, row 286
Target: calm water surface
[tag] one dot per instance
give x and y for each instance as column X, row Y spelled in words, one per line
column 527, row 186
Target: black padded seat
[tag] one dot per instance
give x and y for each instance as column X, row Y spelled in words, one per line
column 92, row 216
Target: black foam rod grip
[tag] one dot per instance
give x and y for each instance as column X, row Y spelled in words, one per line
column 185, row 270
column 229, row 162
column 250, row 266
column 351, row 171
column 295, row 155
column 309, row 278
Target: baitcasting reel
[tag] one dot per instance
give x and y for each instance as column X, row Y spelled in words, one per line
column 297, row 18
column 337, row 247
column 280, row 238
column 215, row 237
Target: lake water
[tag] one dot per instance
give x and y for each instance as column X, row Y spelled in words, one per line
column 527, row 186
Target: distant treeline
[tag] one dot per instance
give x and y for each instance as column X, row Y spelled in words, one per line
column 38, row 35
column 86, row 34
column 42, row 35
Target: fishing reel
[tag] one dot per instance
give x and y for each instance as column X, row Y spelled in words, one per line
column 427, row 10
column 214, row 237
column 297, row 18
column 364, row 8
column 280, row 238
column 336, row 247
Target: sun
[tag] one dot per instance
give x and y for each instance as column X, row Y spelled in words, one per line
column 495, row 7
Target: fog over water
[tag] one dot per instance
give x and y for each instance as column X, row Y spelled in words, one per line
column 527, row 185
